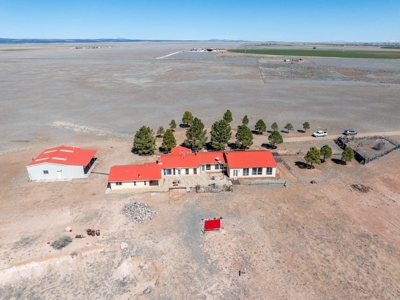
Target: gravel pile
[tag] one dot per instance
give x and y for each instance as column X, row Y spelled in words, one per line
column 138, row 212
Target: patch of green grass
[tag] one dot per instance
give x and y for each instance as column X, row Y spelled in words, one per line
column 320, row 53
column 391, row 47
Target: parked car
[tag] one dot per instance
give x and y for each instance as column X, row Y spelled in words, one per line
column 350, row 132
column 319, row 133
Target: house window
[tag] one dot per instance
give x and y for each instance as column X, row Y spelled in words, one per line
column 254, row 171
column 167, row 172
column 208, row 167
column 269, row 171
column 246, row 172
column 259, row 171
column 216, row 167
column 118, row 183
column 145, row 182
column 179, row 171
column 194, row 171
column 202, row 167
column 187, row 171
column 134, row 183
column 45, row 171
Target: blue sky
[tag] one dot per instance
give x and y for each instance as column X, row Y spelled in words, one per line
column 278, row 20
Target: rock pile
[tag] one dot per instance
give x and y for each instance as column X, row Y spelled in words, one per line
column 138, row 212
column 360, row 187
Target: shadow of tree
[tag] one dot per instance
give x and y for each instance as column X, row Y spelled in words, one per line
column 233, row 146
column 256, row 132
column 303, row 165
column 268, row 146
column 301, row 130
column 338, row 161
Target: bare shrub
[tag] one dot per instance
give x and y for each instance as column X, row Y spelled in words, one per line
column 61, row 242
column 378, row 146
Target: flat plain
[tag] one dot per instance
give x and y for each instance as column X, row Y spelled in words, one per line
column 323, row 241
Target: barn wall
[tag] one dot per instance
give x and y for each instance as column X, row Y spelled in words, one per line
column 35, row 172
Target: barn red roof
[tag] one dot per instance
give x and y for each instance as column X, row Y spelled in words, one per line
column 148, row 171
column 211, row 157
column 179, row 161
column 64, row 155
column 179, row 150
column 212, row 224
column 250, row 159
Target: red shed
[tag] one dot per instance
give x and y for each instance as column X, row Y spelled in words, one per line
column 210, row 225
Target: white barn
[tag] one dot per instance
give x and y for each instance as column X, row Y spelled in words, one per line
column 63, row 162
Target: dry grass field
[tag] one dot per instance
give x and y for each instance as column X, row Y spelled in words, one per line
column 307, row 241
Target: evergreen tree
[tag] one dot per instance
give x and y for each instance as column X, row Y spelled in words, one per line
column 172, row 125
column 245, row 120
column 187, row 118
column 275, row 138
column 169, row 141
column 144, row 141
column 288, row 127
column 244, row 137
column 347, row 154
column 221, row 133
column 275, row 126
column 326, row 152
column 160, row 131
column 196, row 136
column 260, row 127
column 313, row 156
column 228, row 116
column 306, row 126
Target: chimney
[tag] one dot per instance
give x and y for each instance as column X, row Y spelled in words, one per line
column 139, row 175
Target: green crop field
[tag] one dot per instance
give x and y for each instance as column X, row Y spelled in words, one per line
column 391, row 47
column 322, row 53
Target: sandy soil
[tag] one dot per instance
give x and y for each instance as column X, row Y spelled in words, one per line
column 322, row 241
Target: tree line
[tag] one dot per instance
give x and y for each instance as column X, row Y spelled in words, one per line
column 196, row 136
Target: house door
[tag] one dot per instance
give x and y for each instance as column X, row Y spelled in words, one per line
column 59, row 174
column 235, row 173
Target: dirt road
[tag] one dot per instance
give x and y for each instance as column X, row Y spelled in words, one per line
column 311, row 138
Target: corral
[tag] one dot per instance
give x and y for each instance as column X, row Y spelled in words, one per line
column 367, row 149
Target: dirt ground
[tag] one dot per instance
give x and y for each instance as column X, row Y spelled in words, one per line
column 307, row 241
column 322, row 241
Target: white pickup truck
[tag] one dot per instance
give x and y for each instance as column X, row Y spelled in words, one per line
column 319, row 133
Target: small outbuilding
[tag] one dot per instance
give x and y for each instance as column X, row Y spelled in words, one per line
column 134, row 176
column 211, row 225
column 62, row 162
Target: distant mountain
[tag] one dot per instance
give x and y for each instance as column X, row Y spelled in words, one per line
column 118, row 40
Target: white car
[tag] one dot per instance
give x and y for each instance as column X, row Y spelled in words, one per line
column 320, row 133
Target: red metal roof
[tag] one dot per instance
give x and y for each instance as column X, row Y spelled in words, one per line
column 148, row 171
column 179, row 161
column 64, row 155
column 250, row 159
column 211, row 157
column 212, row 224
column 179, row 150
